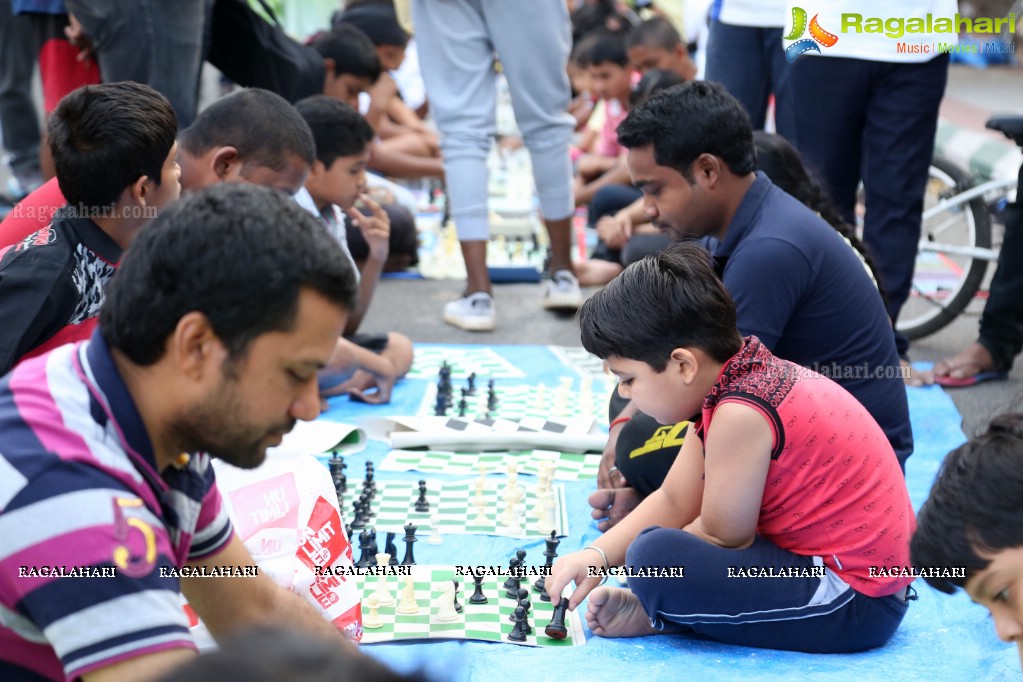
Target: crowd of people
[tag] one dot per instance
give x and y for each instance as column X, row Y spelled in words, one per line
column 180, row 283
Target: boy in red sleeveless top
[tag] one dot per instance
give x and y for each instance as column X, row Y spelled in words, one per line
column 788, row 511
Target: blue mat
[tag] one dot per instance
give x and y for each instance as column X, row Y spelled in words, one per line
column 942, row 637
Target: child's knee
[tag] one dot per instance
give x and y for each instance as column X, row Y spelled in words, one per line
column 399, row 351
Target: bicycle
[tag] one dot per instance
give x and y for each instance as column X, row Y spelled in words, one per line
column 955, row 241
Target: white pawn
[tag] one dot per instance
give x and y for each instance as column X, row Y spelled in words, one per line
column 383, row 596
column 434, row 538
column 481, row 513
column 372, row 619
column 513, row 474
column 408, row 603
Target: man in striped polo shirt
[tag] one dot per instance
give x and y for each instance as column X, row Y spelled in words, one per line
column 208, row 344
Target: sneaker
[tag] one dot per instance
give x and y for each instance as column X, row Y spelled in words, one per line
column 562, row 292
column 474, row 313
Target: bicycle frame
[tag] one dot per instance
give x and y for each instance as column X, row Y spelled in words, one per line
column 960, row 199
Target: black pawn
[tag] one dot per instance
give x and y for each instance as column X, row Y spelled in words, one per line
column 513, row 567
column 410, row 538
column 365, row 544
column 477, row 593
column 458, row 607
column 373, row 548
column 524, row 603
column 422, row 504
column 518, row 633
column 513, row 591
column 556, row 628
column 359, row 520
column 463, row 407
column 391, row 550
column 471, row 380
column 522, row 596
column 440, row 409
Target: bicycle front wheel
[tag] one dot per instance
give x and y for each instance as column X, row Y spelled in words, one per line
column 945, row 280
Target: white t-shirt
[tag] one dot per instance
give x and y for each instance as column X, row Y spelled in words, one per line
column 842, row 18
column 336, row 227
column 756, row 13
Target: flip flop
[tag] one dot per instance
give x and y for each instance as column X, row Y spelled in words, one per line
column 978, row 378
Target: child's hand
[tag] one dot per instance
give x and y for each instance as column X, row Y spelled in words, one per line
column 376, row 228
column 383, row 89
column 614, row 230
column 573, row 568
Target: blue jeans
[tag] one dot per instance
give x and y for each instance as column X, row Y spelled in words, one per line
column 875, row 122
column 155, row 42
column 750, row 62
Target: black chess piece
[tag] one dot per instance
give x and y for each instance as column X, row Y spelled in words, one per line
column 359, row 520
column 552, row 551
column 367, row 511
column 410, row 539
column 471, row 381
column 556, row 628
column 337, row 473
column 513, row 567
column 463, row 407
column 477, row 594
column 422, row 504
column 526, row 627
column 522, row 596
column 373, row 548
column 348, row 531
column 513, row 591
column 458, row 607
column 518, row 633
column 364, row 546
column 441, row 407
column 391, row 550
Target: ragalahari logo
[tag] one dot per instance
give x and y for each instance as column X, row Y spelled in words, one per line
column 818, row 36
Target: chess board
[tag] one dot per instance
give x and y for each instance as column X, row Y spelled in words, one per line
column 483, row 361
column 488, row 622
column 557, row 403
column 570, row 466
column 453, row 505
column 581, row 361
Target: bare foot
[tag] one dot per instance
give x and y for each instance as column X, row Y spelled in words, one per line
column 614, row 612
column 612, row 505
column 915, row 377
column 968, row 362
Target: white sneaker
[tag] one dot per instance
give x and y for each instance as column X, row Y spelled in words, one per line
column 562, row 292
column 474, row 313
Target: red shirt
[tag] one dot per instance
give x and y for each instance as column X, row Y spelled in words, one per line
column 32, row 213
column 834, row 488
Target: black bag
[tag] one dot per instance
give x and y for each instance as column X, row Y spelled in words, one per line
column 255, row 53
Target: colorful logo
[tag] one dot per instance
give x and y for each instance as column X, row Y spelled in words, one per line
column 818, row 36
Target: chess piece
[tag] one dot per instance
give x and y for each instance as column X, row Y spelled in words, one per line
column 410, row 538
column 552, row 551
column 408, row 604
column 513, row 591
column 422, row 504
column 471, row 381
column 364, row 547
column 526, row 627
column 435, row 538
column 373, row 549
column 463, row 406
column 477, row 594
column 481, row 513
column 391, row 550
column 337, row 473
column 359, row 520
column 372, row 620
column 446, row 605
column 556, row 628
column 518, row 633
column 384, row 597
column 458, row 607
column 513, row 568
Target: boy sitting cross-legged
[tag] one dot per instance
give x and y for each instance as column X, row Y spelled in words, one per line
column 787, row 475
column 337, row 181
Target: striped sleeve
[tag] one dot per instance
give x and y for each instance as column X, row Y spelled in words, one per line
column 213, row 530
column 73, row 517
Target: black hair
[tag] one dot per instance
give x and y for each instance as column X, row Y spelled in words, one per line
column 655, row 32
column 264, row 128
column 974, row 505
column 683, row 122
column 782, row 164
column 666, row 301
column 582, row 50
column 378, row 20
column 239, row 254
column 338, row 129
column 352, row 51
column 599, row 16
column 270, row 654
column 608, row 48
column 105, row 137
column 652, row 82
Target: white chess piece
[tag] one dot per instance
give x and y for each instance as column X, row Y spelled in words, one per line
column 446, row 604
column 372, row 620
column 408, row 603
column 383, row 596
column 434, row 538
